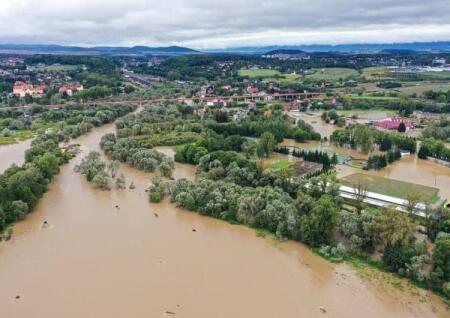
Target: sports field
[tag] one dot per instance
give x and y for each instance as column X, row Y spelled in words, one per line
column 395, row 188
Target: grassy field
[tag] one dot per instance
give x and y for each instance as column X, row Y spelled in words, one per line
column 290, row 77
column 331, row 74
column 368, row 113
column 269, row 74
column 256, row 73
column 420, row 87
column 391, row 187
column 20, row 136
column 372, row 97
column 376, row 74
column 281, row 165
column 7, row 140
column 56, row 68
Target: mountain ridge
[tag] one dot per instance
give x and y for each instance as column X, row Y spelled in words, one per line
column 95, row 50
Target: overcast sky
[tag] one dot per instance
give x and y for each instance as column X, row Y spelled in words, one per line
column 226, row 23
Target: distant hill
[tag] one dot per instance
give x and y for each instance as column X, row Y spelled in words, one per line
column 388, row 48
column 284, row 51
column 98, row 50
column 400, row 51
column 443, row 46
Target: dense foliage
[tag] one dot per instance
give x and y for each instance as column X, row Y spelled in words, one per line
column 22, row 187
column 364, row 138
column 311, row 219
column 132, row 152
column 434, row 148
column 377, row 162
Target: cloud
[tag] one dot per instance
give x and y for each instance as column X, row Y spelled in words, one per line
column 215, row 24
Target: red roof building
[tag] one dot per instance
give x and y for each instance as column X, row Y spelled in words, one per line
column 393, row 123
column 69, row 89
column 252, row 90
column 21, row 89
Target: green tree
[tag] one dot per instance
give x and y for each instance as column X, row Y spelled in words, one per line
column 102, row 180
column 391, row 227
column 317, row 228
column 266, row 144
column 19, row 209
column 440, row 275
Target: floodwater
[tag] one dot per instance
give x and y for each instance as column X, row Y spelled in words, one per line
column 94, row 260
column 320, row 126
column 13, row 154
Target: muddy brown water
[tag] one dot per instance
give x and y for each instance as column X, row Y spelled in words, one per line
column 314, row 119
column 94, row 260
column 14, row 153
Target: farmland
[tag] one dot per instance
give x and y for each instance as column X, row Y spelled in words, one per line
column 330, row 74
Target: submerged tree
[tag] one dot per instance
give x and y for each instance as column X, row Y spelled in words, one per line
column 121, row 182
column 113, row 168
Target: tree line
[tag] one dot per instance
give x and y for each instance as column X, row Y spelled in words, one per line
column 364, row 138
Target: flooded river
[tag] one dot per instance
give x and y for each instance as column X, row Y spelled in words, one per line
column 96, row 261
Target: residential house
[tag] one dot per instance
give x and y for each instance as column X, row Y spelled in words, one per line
column 21, row 89
column 252, row 90
column 70, row 89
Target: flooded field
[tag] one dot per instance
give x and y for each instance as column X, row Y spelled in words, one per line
column 94, row 260
column 325, row 130
column 408, row 169
column 14, row 153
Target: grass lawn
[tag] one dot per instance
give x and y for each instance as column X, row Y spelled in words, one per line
column 391, row 187
column 255, row 73
column 281, row 165
column 330, row 73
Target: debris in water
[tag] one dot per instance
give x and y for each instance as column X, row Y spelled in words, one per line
column 322, row 309
column 132, row 186
column 194, row 230
column 117, row 207
column 17, row 297
column 155, row 215
column 169, row 313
